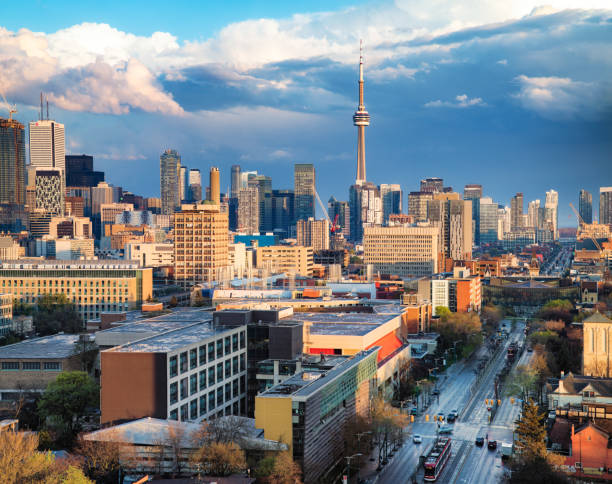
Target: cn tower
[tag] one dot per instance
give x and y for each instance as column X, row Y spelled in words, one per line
column 361, row 119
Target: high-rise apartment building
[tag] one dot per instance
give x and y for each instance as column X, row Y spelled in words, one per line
column 236, row 184
column 47, row 145
column 400, row 250
column 533, row 214
column 169, row 171
column 585, row 206
column 263, row 184
column 391, row 196
column 12, row 162
column 313, row 233
column 454, row 218
column 474, row 193
column 195, row 185
column 200, row 243
column 365, row 208
column 432, row 185
column 516, row 212
column 340, row 209
column 488, row 221
column 248, row 210
column 304, row 190
column 552, row 212
column 417, row 205
column 504, row 218
column 605, row 205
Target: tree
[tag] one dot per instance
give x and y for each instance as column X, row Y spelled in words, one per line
column 387, row 424
column 536, row 471
column 531, row 433
column 66, row 400
column 55, row 313
column 101, row 459
column 443, row 312
column 20, row 462
column 285, row 470
column 522, row 382
column 220, row 458
column 226, row 429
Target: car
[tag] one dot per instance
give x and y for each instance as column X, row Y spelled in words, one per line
column 529, row 349
column 479, row 441
column 492, row 445
column 436, row 392
column 446, row 429
column 450, row 418
column 417, row 439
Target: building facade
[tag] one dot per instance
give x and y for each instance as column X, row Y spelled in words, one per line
column 516, row 212
column 365, row 208
column 248, row 210
column 169, row 171
column 150, row 254
column 313, row 233
column 605, row 205
column 585, row 206
column 12, row 162
column 293, row 259
column 597, row 347
column 417, row 205
column 49, row 186
column 304, row 189
column 391, row 196
column 48, row 146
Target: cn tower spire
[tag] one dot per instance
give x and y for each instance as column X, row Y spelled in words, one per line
column 361, row 119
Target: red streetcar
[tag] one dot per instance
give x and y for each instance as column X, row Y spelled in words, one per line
column 437, row 458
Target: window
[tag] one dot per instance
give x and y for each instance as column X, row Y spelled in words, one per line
column 211, row 351
column 242, row 364
column 183, row 412
column 184, row 393
column 10, row 365
column 228, row 368
column 52, row 366
column 234, row 342
column 202, row 405
column 193, row 409
column 235, row 388
column 174, row 414
column 183, row 362
column 211, row 376
column 227, row 346
column 193, row 384
column 219, row 348
column 219, row 397
column 242, row 340
column 228, row 392
column 202, row 355
column 234, row 365
column 173, row 393
column 193, row 358
column 219, row 372
column 211, row 400
column 202, row 380
column 173, row 366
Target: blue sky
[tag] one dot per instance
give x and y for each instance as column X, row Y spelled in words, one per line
column 511, row 95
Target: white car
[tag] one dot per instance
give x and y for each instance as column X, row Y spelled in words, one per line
column 417, row 439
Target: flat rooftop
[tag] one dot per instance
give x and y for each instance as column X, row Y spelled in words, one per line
column 45, row 264
column 45, row 348
column 349, row 324
column 309, row 382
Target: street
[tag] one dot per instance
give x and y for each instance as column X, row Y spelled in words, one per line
column 460, row 389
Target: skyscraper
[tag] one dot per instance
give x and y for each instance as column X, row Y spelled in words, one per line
column 248, row 210
column 48, row 185
column 236, row 185
column 391, row 195
column 80, row 172
column 342, row 211
column 263, row 184
column 488, row 221
column 47, row 145
column 12, row 162
column 361, row 119
column 605, row 205
column 195, row 185
column 313, row 233
column 365, row 208
column 516, row 212
column 283, row 203
column 474, row 193
column 169, row 169
column 417, row 205
column 304, row 189
column 552, row 214
column 183, row 183
column 585, row 203
column 454, row 217
column 432, row 185
column 533, row 214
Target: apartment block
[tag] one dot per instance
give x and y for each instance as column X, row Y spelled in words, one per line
column 313, row 233
column 402, row 251
column 285, row 258
column 460, row 292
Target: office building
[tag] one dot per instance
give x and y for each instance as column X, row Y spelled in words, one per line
column 605, row 205
column 304, row 190
column 313, row 233
column 516, row 212
column 454, row 218
column 80, row 172
column 417, row 205
column 504, row 218
column 100, row 194
column 236, row 184
column 283, row 204
column 264, row 191
column 585, row 206
column 432, row 185
column 488, row 221
column 49, row 190
column 150, row 254
column 391, row 196
column 191, row 373
column 195, row 185
column 474, row 193
column 48, row 146
column 403, row 251
column 248, row 210
column 12, row 162
column 365, row 208
column 551, row 206
column 169, row 171
column 93, row 286
column 109, row 212
column 310, row 411
column 361, row 119
column 291, row 259
column 200, row 243
column 340, row 213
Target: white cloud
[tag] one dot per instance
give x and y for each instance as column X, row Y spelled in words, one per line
column 503, row 62
column 461, row 101
column 561, row 98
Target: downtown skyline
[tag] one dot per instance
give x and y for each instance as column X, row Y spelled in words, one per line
column 466, row 103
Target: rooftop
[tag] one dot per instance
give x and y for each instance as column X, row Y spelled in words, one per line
column 69, row 264
column 48, row 347
column 597, row 317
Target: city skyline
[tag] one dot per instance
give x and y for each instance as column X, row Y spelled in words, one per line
column 538, row 120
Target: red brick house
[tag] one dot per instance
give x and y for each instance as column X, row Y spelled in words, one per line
column 590, row 452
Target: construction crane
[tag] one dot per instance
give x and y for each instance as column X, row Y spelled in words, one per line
column 581, row 222
column 12, row 108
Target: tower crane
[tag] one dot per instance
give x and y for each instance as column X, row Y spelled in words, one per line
column 12, row 108
column 333, row 226
column 581, row 223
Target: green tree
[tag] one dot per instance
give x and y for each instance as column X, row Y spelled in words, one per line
column 55, row 313
column 531, row 433
column 443, row 312
column 66, row 400
column 522, row 382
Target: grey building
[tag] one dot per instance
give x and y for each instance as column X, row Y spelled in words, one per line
column 12, row 162
column 585, row 203
column 304, row 189
column 169, row 171
column 474, row 193
column 605, row 205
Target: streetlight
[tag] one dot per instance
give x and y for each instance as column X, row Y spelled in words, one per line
column 348, row 465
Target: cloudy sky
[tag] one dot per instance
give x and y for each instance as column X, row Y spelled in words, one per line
column 514, row 95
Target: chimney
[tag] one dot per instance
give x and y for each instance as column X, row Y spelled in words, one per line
column 215, row 193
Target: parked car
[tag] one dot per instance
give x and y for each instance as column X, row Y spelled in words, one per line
column 492, row 445
column 417, row 439
column 479, row 441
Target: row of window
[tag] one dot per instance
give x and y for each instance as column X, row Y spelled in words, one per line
column 32, row 365
column 206, row 353
column 198, row 382
column 63, row 282
column 207, row 403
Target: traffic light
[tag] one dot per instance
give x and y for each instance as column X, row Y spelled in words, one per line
column 512, row 400
column 498, row 403
column 426, row 418
column 411, row 418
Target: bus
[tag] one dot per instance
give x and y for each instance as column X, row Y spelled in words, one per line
column 436, row 459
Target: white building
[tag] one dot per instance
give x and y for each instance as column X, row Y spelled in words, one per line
column 47, row 145
column 552, row 215
column 150, row 254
